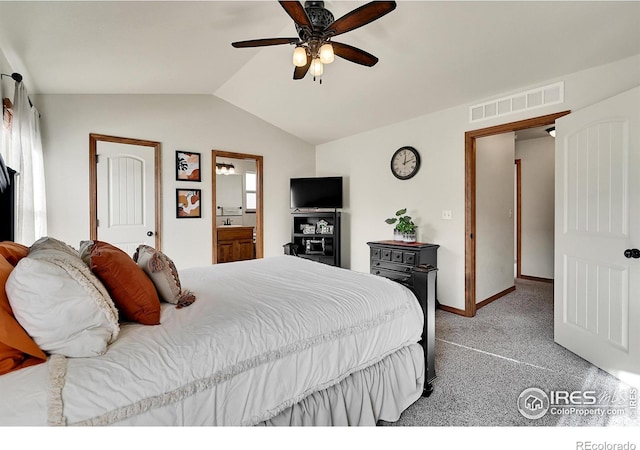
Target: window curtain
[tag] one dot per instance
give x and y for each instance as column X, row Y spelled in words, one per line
column 4, row 141
column 25, row 156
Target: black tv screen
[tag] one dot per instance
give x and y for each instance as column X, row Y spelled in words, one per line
column 318, row 192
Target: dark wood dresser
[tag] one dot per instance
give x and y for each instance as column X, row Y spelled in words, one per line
column 415, row 265
column 396, row 259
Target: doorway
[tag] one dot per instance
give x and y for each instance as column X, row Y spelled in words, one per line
column 534, row 204
column 470, row 197
column 252, row 196
column 125, row 187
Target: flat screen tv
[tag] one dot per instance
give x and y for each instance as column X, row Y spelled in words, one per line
column 318, row 192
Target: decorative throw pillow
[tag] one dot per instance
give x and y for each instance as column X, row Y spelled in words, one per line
column 49, row 243
column 130, row 288
column 164, row 275
column 17, row 349
column 61, row 304
column 13, row 252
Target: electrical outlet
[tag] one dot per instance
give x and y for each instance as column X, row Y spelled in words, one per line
column 446, row 214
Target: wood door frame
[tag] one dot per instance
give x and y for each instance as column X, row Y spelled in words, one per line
column 518, row 163
column 259, row 200
column 94, row 138
column 470, row 196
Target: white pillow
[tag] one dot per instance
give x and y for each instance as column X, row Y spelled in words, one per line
column 61, row 304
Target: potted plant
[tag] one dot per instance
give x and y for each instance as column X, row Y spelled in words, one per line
column 405, row 229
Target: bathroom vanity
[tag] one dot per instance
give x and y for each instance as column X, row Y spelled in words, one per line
column 235, row 243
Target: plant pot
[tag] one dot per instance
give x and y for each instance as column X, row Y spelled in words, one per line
column 397, row 235
column 409, row 237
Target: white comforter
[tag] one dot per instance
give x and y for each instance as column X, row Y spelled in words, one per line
column 262, row 335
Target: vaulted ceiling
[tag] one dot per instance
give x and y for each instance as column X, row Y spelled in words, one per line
column 433, row 55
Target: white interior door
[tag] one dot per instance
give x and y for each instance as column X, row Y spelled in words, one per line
column 126, row 195
column 597, row 288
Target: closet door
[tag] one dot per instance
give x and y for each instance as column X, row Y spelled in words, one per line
column 125, row 187
column 126, row 207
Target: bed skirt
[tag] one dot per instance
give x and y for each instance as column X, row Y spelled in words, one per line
column 363, row 398
column 378, row 392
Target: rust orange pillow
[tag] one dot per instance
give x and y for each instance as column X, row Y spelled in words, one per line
column 13, row 252
column 131, row 290
column 17, row 349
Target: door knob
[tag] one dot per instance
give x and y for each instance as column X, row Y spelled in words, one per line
column 632, row 253
column 149, row 233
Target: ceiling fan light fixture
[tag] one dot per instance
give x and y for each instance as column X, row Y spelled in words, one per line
column 300, row 57
column 316, row 27
column 326, row 53
column 316, row 68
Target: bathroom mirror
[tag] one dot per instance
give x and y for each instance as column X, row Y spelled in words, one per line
column 229, row 194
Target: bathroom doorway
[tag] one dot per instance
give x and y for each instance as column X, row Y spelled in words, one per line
column 237, row 205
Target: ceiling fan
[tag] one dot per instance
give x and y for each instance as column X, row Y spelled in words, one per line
column 316, row 29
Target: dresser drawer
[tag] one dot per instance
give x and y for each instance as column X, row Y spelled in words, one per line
column 391, row 266
column 391, row 274
column 410, row 258
column 399, row 256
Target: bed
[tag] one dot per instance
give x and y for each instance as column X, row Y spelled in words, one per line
column 274, row 341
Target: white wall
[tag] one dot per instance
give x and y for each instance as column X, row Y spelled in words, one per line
column 494, row 214
column 537, row 184
column 195, row 123
column 374, row 194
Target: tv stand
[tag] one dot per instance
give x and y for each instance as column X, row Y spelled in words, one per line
column 315, row 235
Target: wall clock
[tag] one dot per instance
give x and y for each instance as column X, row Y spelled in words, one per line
column 405, row 163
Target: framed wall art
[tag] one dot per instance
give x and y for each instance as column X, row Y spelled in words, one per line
column 187, row 166
column 188, row 203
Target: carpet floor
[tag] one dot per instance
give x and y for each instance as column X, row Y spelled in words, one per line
column 484, row 363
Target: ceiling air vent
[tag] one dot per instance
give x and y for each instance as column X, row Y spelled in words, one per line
column 515, row 103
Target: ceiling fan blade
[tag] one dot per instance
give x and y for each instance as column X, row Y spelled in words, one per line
column 353, row 54
column 300, row 72
column 265, row 42
column 360, row 16
column 297, row 13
